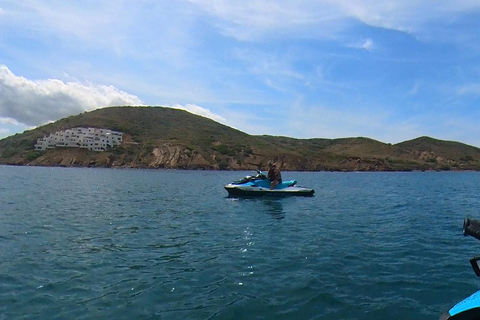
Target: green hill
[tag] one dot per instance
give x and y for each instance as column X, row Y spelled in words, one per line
column 157, row 137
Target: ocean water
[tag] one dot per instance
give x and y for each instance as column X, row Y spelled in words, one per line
column 78, row 243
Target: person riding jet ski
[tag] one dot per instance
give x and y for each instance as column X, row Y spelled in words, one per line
column 274, row 174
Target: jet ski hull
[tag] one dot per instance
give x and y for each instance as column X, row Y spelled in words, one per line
column 254, row 191
column 467, row 309
column 259, row 185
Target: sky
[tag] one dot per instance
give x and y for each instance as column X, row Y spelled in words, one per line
column 390, row 70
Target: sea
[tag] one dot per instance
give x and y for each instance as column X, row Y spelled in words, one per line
column 87, row 243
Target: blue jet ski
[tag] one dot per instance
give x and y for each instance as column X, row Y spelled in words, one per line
column 259, row 185
column 469, row 308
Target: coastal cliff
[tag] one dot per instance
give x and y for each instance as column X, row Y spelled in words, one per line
column 156, row 137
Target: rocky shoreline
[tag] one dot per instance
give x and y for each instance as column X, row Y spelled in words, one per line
column 169, row 156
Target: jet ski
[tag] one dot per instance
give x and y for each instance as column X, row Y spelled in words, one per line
column 259, row 185
column 469, row 308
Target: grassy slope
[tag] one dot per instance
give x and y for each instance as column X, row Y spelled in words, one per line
column 144, row 125
column 154, row 126
column 447, row 149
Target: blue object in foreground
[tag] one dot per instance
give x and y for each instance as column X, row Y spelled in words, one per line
column 470, row 305
column 259, row 185
column 469, row 308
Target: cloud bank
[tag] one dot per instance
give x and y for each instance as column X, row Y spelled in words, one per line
column 193, row 108
column 248, row 19
column 38, row 102
column 415, row 63
column 33, row 103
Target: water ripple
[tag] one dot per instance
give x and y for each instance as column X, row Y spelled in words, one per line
column 140, row 244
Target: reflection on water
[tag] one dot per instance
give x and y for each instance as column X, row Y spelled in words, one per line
column 270, row 205
column 144, row 244
column 274, row 207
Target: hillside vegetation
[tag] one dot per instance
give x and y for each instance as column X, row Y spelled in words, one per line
column 157, row 137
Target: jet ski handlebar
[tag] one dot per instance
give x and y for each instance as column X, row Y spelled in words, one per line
column 471, row 227
column 469, row 308
column 261, row 175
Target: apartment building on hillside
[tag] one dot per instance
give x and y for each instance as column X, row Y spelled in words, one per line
column 88, row 138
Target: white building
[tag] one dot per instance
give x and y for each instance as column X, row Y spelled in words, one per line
column 87, row 138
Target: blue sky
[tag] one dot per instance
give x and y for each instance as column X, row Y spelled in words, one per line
column 390, row 70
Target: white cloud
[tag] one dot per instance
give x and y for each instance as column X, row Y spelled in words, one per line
column 4, row 132
column 67, row 18
column 250, row 19
column 193, row 108
column 10, row 121
column 122, row 28
column 37, row 102
column 365, row 44
column 9, row 126
column 469, row 89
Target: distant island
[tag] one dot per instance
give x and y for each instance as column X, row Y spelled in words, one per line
column 157, row 137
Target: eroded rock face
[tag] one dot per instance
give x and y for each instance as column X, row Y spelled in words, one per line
column 174, row 157
column 72, row 158
column 169, row 156
column 166, row 156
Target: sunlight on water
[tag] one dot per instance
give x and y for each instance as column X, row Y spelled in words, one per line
column 143, row 244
